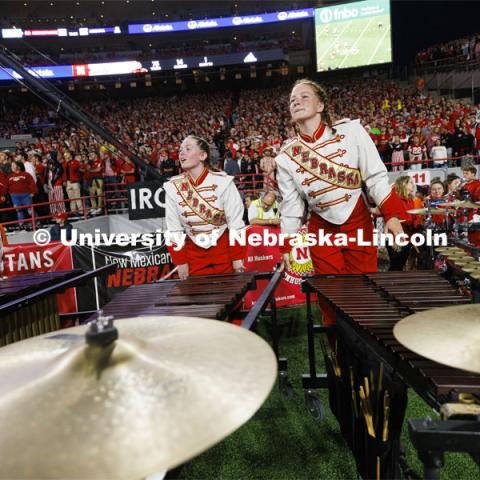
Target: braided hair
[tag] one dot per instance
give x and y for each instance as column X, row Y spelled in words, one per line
column 322, row 96
column 203, row 145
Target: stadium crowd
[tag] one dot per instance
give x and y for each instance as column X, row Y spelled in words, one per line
column 244, row 129
column 460, row 50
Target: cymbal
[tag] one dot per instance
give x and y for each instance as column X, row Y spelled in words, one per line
column 457, row 256
column 470, row 268
column 426, row 211
column 449, row 249
column 459, row 204
column 475, row 275
column 463, row 262
column 168, row 389
column 448, row 335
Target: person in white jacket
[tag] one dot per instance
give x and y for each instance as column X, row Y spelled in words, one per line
column 325, row 166
column 202, row 205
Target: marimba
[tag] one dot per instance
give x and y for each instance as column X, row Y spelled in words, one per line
column 28, row 304
column 26, row 319
column 214, row 296
column 367, row 307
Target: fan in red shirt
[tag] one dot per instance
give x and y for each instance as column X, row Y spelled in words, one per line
column 437, row 196
column 73, row 177
column 473, row 188
column 22, row 188
column 473, row 184
column 95, row 189
column 127, row 170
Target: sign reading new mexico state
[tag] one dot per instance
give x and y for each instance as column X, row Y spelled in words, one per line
column 136, row 266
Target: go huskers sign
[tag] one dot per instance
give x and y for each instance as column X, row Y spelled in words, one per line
column 146, row 200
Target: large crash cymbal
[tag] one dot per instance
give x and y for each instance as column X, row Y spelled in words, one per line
column 448, row 335
column 167, row 390
column 459, row 204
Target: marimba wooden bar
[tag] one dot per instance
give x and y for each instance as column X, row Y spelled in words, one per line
column 215, row 296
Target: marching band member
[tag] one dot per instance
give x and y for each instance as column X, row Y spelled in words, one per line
column 472, row 184
column 326, row 165
column 405, row 188
column 203, row 201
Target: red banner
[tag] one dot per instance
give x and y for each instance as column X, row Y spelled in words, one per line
column 265, row 257
column 23, row 258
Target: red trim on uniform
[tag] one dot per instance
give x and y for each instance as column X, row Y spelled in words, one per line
column 391, row 206
column 200, row 178
column 316, row 135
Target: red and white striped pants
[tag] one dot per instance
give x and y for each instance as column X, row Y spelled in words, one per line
column 56, row 194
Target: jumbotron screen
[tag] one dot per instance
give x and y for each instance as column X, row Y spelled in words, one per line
column 353, row 35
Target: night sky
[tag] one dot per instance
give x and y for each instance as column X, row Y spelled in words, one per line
column 417, row 25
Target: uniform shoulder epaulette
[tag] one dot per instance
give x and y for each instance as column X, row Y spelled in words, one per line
column 342, row 121
column 287, row 144
column 176, row 177
column 221, row 174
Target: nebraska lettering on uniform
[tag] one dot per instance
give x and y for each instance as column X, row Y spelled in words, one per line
column 323, row 168
column 199, row 205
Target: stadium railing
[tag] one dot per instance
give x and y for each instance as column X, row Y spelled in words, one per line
column 449, row 162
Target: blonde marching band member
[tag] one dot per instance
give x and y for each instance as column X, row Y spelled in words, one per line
column 326, row 166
